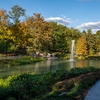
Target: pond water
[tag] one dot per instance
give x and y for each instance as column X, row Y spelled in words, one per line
column 48, row 65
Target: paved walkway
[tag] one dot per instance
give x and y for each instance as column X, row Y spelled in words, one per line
column 94, row 93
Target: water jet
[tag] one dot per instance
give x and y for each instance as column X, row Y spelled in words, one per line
column 72, row 50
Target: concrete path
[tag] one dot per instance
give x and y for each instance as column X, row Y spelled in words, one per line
column 94, row 93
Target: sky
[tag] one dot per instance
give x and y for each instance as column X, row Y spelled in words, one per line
column 79, row 14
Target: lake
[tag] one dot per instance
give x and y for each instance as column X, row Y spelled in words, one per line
column 48, row 65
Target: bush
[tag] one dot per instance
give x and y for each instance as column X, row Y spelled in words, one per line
column 48, row 85
column 63, row 85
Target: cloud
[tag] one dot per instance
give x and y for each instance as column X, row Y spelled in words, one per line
column 90, row 25
column 60, row 20
column 95, row 26
column 95, row 30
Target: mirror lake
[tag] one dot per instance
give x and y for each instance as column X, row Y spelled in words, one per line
column 47, row 66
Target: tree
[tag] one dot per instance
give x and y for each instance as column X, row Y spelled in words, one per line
column 98, row 40
column 40, row 32
column 16, row 13
column 59, row 37
column 83, row 32
column 24, row 34
column 81, row 46
column 91, row 43
column 72, row 34
column 5, row 33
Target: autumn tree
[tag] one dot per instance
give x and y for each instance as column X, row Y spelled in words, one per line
column 24, row 34
column 81, row 46
column 5, row 33
column 40, row 32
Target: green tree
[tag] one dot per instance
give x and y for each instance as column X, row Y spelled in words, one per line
column 98, row 40
column 72, row 34
column 91, row 43
column 83, row 32
column 59, row 37
column 14, row 15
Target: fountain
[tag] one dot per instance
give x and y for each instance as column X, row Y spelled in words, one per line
column 72, row 51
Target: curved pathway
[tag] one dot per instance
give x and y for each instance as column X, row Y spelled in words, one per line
column 94, row 92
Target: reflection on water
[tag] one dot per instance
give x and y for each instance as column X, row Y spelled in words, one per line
column 87, row 63
column 46, row 66
column 51, row 65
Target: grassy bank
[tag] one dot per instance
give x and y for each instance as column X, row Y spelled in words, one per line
column 60, row 85
column 93, row 57
column 11, row 62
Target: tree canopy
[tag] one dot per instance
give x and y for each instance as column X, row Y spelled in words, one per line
column 19, row 31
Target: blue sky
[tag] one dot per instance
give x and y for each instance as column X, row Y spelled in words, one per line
column 81, row 14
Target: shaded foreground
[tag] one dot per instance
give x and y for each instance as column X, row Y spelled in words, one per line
column 60, row 85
